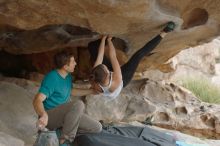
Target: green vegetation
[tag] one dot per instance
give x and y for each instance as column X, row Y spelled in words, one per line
column 204, row 89
column 217, row 60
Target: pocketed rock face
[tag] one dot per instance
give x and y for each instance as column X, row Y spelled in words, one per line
column 38, row 26
column 163, row 104
column 181, row 110
column 166, row 104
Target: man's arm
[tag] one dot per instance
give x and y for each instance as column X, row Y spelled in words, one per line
column 82, row 92
column 39, row 109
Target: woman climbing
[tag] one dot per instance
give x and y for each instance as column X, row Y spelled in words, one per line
column 107, row 76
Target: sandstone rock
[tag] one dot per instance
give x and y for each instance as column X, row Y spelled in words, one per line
column 34, row 76
column 197, row 62
column 30, row 86
column 17, row 116
column 7, row 140
column 167, row 104
column 39, row 26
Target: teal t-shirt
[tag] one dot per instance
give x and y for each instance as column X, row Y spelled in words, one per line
column 56, row 88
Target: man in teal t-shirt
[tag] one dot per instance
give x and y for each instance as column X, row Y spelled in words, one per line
column 52, row 102
column 56, row 88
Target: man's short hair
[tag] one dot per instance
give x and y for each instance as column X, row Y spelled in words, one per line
column 62, row 58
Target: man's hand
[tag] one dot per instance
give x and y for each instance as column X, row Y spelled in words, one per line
column 96, row 88
column 42, row 121
column 95, row 92
column 39, row 108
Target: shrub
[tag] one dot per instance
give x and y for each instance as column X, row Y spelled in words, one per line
column 203, row 89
